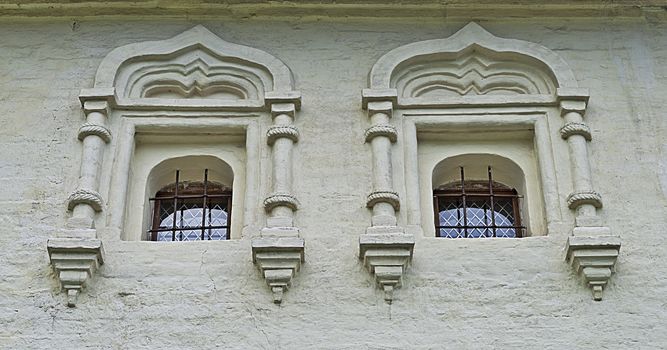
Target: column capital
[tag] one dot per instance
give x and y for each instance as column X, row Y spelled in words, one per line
column 378, row 95
column 279, row 98
column 385, row 107
column 287, row 108
column 573, row 100
column 97, row 99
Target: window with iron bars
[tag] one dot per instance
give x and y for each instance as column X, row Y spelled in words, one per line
column 191, row 211
column 477, row 209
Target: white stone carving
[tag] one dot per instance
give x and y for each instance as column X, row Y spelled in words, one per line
column 474, row 69
column 381, row 130
column 75, row 262
column 192, row 74
column 83, row 196
column 390, row 197
column 269, row 251
column 94, row 129
column 576, row 199
column 387, row 257
column 594, row 258
column 276, row 132
column 385, row 249
column 470, row 67
column 193, row 70
column 281, row 199
column 278, row 259
column 573, row 128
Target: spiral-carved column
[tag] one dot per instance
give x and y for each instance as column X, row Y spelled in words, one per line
column 385, row 248
column 591, row 250
column 279, row 251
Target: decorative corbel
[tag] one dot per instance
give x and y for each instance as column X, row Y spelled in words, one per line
column 279, row 251
column 77, row 253
column 74, row 261
column 385, row 248
column 591, row 250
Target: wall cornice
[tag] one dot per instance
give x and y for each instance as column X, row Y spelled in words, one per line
column 329, row 8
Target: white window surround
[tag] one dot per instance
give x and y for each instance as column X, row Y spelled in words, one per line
column 156, row 160
column 191, row 86
column 471, row 81
column 492, row 149
column 443, row 139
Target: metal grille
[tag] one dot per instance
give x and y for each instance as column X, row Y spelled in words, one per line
column 191, row 211
column 474, row 209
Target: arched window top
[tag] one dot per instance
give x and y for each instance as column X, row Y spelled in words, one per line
column 472, row 67
column 469, row 40
column 194, row 69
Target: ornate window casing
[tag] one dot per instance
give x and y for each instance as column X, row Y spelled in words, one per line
column 474, row 100
column 190, row 102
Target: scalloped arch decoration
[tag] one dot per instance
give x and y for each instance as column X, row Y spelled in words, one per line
column 194, row 65
column 472, row 62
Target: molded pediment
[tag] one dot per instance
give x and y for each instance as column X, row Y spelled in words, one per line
column 195, row 65
column 474, row 71
column 469, row 64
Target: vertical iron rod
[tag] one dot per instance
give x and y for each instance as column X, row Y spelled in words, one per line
column 203, row 216
column 173, row 223
column 493, row 208
column 463, row 198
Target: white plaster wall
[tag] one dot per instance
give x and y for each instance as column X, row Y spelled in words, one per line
column 458, row 294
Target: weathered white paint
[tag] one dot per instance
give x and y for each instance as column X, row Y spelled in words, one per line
column 457, row 294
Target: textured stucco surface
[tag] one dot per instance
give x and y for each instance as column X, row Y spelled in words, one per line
column 457, row 294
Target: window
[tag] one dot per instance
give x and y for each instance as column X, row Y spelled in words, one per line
column 477, row 209
column 191, row 211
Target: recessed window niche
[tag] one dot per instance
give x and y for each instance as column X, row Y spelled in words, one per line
column 156, row 160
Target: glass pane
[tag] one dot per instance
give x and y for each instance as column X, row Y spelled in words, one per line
column 479, row 218
column 190, row 215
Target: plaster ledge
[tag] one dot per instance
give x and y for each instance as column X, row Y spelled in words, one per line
column 594, row 258
column 278, row 259
column 387, row 256
column 74, row 261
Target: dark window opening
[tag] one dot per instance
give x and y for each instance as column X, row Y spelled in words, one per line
column 191, row 211
column 477, row 209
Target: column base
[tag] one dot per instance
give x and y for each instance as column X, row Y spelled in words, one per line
column 74, row 261
column 278, row 259
column 593, row 258
column 386, row 254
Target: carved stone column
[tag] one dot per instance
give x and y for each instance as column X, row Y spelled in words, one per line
column 385, row 248
column 77, row 253
column 591, row 250
column 279, row 251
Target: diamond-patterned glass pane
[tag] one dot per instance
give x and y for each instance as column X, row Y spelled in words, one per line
column 478, row 219
column 191, row 217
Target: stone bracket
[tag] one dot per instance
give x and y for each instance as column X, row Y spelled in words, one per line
column 278, row 259
column 387, row 256
column 74, row 261
column 594, row 258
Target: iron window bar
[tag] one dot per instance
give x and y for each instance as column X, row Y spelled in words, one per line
column 467, row 197
column 177, row 225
